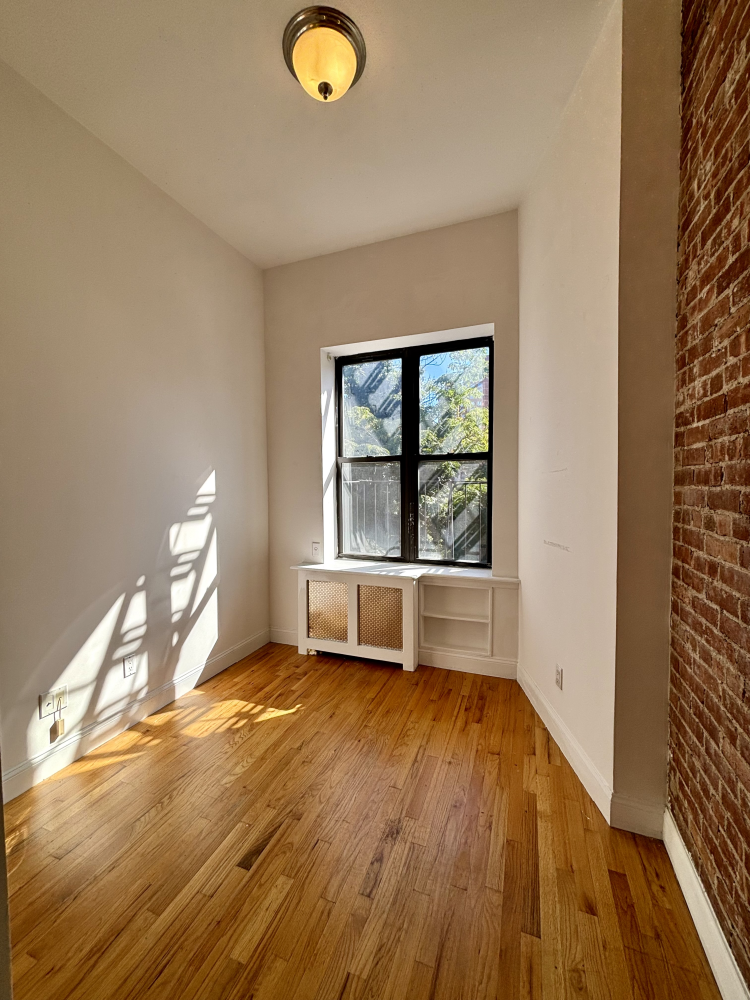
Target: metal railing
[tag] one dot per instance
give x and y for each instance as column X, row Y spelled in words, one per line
column 452, row 524
column 460, row 521
column 372, row 517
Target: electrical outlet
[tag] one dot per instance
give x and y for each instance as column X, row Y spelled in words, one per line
column 53, row 701
column 558, row 675
column 316, row 551
column 129, row 665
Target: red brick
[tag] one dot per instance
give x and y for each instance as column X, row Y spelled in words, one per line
column 741, row 291
column 706, row 611
column 724, row 500
column 735, row 579
column 736, row 269
column 723, row 599
column 738, row 395
column 713, row 407
column 722, row 549
column 737, row 473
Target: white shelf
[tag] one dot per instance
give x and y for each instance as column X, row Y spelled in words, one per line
column 450, row 633
column 464, row 651
column 456, row 618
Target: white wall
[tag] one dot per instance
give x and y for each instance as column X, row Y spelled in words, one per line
column 132, row 368
column 459, row 276
column 568, row 384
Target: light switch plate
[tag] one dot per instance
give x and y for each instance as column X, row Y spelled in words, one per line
column 53, row 701
column 559, row 675
column 316, row 551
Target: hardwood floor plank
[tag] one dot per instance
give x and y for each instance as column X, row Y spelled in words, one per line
column 598, row 983
column 531, row 920
column 531, row 967
column 484, row 969
column 553, row 985
column 571, row 948
column 512, row 919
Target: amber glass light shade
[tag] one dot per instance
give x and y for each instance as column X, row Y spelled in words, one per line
column 325, row 51
column 324, row 56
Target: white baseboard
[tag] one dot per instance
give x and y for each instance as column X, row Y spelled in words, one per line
column 30, row 772
column 720, row 958
column 593, row 781
column 285, row 636
column 486, row 665
column 637, row 816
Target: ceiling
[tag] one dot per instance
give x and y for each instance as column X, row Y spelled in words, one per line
column 457, row 103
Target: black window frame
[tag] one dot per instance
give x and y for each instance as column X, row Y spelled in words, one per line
column 410, row 456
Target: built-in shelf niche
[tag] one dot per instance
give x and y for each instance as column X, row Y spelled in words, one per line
column 456, row 618
column 467, row 603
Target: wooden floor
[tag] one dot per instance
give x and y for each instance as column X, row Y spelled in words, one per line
column 311, row 827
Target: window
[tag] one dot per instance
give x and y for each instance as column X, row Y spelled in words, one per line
column 415, row 453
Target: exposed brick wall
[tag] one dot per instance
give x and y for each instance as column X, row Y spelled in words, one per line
column 709, row 777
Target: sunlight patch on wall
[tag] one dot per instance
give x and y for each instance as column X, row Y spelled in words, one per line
column 180, row 594
column 209, row 574
column 201, row 639
column 80, row 676
column 189, row 536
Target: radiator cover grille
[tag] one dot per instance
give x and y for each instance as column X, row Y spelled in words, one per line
column 327, row 610
column 381, row 617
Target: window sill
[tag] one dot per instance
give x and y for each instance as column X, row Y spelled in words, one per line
column 414, row 571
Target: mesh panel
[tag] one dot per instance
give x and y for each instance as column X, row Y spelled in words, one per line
column 380, row 617
column 327, row 613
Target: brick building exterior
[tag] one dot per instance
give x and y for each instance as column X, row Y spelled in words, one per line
column 709, row 777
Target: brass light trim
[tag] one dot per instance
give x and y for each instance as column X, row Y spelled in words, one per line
column 324, row 17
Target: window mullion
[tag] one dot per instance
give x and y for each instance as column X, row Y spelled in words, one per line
column 410, row 413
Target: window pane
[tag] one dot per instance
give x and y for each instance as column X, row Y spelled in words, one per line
column 454, row 401
column 371, row 508
column 453, row 511
column 371, row 407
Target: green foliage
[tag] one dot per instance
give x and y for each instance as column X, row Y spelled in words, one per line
column 454, row 418
column 453, row 415
column 372, row 410
column 364, row 433
column 455, row 494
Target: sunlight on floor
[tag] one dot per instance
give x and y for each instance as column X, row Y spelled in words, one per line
column 233, row 715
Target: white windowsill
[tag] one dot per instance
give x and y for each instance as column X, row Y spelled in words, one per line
column 412, row 570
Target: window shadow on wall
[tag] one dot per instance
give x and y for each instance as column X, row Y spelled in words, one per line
column 154, row 640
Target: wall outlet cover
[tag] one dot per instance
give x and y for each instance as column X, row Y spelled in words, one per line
column 559, row 675
column 53, row 701
column 316, row 551
column 129, row 665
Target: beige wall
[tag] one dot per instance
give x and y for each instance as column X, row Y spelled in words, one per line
column 568, row 260
column 648, row 295
column 447, row 278
column 132, row 367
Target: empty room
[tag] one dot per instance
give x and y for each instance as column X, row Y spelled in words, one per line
column 375, row 491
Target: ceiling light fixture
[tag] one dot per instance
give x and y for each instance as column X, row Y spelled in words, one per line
column 324, row 49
